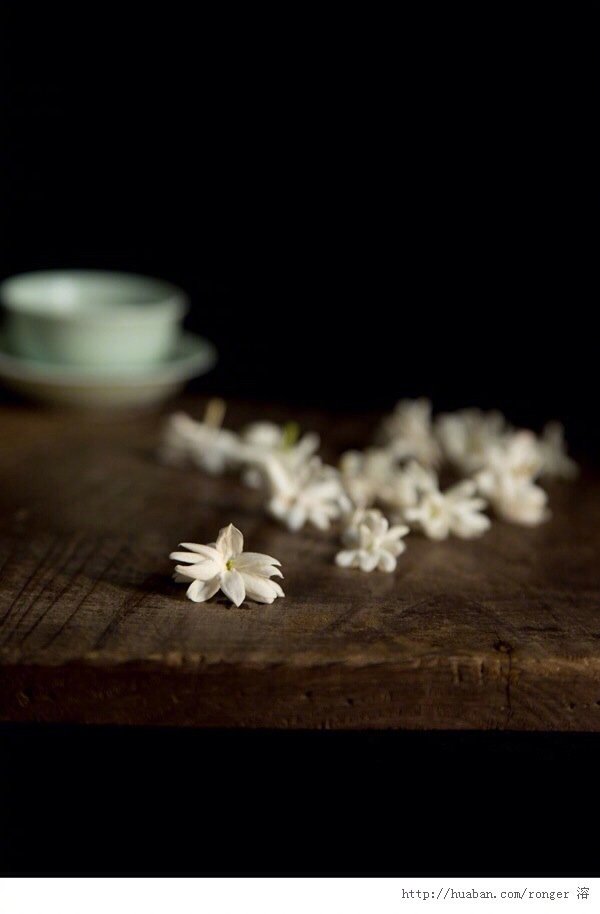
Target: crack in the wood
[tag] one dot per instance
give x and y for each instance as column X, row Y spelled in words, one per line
column 337, row 623
column 9, row 556
column 65, row 589
column 509, row 686
column 151, row 583
column 85, row 598
column 32, row 577
column 505, row 648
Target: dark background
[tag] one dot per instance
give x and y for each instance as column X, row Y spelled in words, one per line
column 102, row 800
column 359, row 211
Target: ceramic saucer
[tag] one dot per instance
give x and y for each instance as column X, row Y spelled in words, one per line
column 87, row 387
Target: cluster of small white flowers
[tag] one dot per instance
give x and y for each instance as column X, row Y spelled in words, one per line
column 283, row 443
column 508, row 477
column 298, row 488
column 312, row 493
column 497, row 465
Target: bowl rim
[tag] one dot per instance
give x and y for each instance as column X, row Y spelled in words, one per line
column 169, row 300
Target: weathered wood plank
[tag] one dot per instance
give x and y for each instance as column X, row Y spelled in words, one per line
column 502, row 632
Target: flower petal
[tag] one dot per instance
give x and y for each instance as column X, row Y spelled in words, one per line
column 437, row 529
column 346, row 558
column 278, row 589
column 230, row 541
column 199, row 591
column 209, row 552
column 296, row 517
column 262, row 590
column 191, row 557
column 368, row 560
column 264, row 571
column 319, row 518
column 263, row 434
column 395, row 548
column 396, row 532
column 413, row 515
column 232, row 585
column 468, row 526
column 202, row 571
column 251, row 558
column 278, row 507
column 464, row 489
column 386, row 562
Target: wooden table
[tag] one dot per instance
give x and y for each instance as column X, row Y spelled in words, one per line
column 502, row 632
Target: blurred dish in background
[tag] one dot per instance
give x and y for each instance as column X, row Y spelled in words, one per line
column 108, row 388
column 94, row 338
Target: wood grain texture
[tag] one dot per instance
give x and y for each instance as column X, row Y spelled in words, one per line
column 502, row 632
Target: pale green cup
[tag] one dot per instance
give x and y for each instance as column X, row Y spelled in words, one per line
column 91, row 318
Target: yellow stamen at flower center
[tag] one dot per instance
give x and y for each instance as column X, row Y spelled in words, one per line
column 229, row 564
column 290, row 435
column 215, row 413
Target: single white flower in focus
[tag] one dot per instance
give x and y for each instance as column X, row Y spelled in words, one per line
column 205, row 444
column 457, row 511
column 225, row 566
column 408, row 432
column 508, row 480
column 313, row 493
column 556, row 463
column 467, row 435
column 373, row 543
column 282, row 441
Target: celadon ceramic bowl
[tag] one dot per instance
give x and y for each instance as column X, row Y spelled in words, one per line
column 92, row 319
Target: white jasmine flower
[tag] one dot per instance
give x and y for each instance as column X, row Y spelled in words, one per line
column 517, row 455
column 409, row 432
column 467, row 435
column 522, row 503
column 519, row 501
column 175, row 445
column 555, row 460
column 225, row 566
column 374, row 544
column 456, row 510
column 313, row 494
column 282, row 441
column 204, row 444
column 405, row 487
column 514, row 460
column 352, row 520
column 265, row 435
column 366, row 473
column 507, row 480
